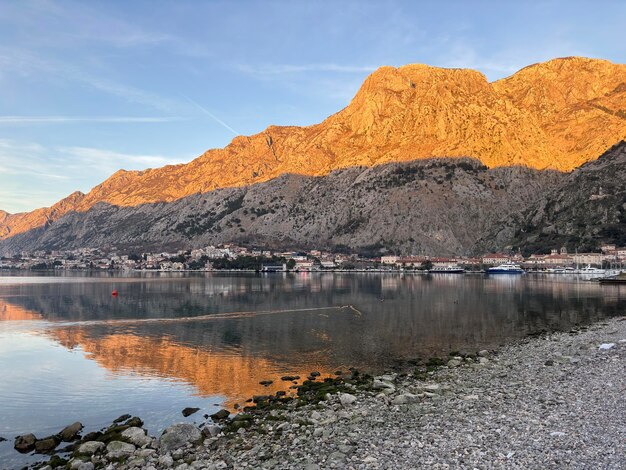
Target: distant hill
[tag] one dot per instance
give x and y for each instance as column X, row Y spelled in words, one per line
column 553, row 115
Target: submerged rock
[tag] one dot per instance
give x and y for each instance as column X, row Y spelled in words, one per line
column 179, row 435
column 189, row 411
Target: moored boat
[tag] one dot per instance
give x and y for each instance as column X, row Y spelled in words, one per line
column 590, row 270
column 449, row 269
column 618, row 279
column 506, row 268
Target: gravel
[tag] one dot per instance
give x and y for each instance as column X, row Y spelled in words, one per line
column 552, row 402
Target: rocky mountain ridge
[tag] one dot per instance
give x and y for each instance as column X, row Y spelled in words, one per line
column 558, row 115
column 434, row 206
column 430, row 206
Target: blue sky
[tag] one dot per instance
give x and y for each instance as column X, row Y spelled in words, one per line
column 87, row 88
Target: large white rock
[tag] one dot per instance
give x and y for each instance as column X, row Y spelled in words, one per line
column 404, row 399
column 90, row 447
column 179, row 435
column 136, row 436
column 382, row 385
column 119, row 450
column 347, row 399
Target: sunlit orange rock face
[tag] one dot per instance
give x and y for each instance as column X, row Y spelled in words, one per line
column 234, row 376
column 557, row 114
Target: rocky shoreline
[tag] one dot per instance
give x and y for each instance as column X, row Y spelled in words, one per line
column 554, row 401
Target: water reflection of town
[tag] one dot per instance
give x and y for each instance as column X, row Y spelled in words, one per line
column 398, row 317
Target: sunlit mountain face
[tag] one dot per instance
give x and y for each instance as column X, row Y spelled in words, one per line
column 553, row 115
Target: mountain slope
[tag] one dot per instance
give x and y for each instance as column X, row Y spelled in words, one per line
column 433, row 206
column 558, row 114
column 587, row 209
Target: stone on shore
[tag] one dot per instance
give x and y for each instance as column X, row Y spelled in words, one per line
column 347, row 399
column 119, row 450
column 25, row 443
column 90, row 447
column 211, row 430
column 72, row 432
column 383, row 385
column 134, row 422
column 606, row 346
column 78, row 464
column 136, row 436
column 179, row 435
column 165, row 461
column 454, row 363
column 404, row 399
column 220, row 415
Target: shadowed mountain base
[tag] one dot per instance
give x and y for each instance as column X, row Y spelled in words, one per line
column 437, row 206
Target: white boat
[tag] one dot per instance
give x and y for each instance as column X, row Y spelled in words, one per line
column 561, row 270
column 590, row 270
column 506, row 268
column 449, row 269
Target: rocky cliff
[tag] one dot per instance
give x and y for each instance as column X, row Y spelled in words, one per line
column 586, row 209
column 558, row 115
column 432, row 206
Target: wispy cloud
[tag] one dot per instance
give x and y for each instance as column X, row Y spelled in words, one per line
column 109, row 160
column 211, row 115
column 30, row 64
column 54, row 172
column 70, row 119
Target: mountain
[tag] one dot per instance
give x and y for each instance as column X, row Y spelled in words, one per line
column 432, row 206
column 553, row 115
column 586, row 209
column 11, row 224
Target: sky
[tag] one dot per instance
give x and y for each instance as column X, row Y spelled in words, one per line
column 87, row 88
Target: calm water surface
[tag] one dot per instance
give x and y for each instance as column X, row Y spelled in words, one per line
column 71, row 351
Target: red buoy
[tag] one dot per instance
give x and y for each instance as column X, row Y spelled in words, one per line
column 114, row 293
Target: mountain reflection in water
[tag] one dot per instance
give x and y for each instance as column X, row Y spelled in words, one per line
column 402, row 317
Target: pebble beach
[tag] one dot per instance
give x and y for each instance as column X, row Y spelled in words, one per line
column 552, row 401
